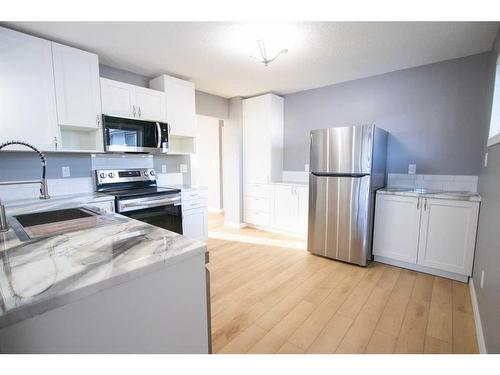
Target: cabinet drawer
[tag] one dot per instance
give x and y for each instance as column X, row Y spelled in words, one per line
column 194, row 195
column 257, row 204
column 256, row 217
column 193, row 203
column 257, row 190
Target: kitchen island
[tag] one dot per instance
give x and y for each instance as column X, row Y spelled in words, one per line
column 125, row 287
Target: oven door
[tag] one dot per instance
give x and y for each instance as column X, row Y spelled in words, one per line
column 166, row 217
column 131, row 135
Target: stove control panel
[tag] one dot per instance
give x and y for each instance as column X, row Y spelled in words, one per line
column 112, row 176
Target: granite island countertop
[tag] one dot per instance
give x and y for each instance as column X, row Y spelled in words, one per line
column 430, row 193
column 39, row 275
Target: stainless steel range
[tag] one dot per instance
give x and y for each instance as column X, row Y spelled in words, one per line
column 138, row 196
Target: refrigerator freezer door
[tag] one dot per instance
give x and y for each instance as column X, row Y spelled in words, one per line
column 339, row 218
column 342, row 150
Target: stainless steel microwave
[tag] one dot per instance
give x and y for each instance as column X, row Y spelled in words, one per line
column 132, row 135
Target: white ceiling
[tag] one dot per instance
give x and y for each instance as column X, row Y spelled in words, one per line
column 216, row 55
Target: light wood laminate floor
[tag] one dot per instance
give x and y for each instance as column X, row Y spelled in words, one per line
column 272, row 299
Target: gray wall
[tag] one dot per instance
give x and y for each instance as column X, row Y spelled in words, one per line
column 212, row 105
column 437, row 115
column 487, row 257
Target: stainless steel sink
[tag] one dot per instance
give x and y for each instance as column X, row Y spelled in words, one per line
column 49, row 223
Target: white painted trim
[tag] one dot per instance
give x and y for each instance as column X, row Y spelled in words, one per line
column 477, row 319
column 419, row 268
column 493, row 140
column 234, row 225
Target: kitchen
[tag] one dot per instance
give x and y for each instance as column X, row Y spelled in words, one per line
column 320, row 214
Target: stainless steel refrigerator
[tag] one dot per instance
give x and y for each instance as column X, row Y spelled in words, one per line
column 347, row 165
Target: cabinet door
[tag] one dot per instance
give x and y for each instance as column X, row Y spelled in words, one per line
column 195, row 223
column 256, row 141
column 303, row 209
column 150, row 104
column 285, row 212
column 396, row 227
column 78, row 94
column 118, row 98
column 181, row 111
column 28, row 103
column 448, row 235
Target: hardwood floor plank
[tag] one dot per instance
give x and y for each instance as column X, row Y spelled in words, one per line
column 440, row 313
column 277, row 336
column 331, row 336
column 413, row 330
column 289, row 348
column 461, row 297
column 244, row 341
column 381, row 343
column 464, row 333
column 436, row 346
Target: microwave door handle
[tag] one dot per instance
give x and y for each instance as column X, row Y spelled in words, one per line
column 158, row 131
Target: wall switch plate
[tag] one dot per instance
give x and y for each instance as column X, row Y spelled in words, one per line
column 485, row 160
column 306, row 167
column 65, row 171
column 183, row 168
column 412, row 168
column 163, row 168
column 482, row 279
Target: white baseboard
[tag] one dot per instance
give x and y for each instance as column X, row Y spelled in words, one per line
column 477, row 319
column 234, row 225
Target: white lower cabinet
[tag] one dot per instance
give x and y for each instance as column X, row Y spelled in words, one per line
column 195, row 214
column 277, row 206
column 426, row 234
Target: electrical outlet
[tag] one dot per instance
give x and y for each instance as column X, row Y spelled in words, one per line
column 183, row 168
column 412, row 168
column 163, row 168
column 485, row 160
column 482, row 279
column 306, row 167
column 65, row 172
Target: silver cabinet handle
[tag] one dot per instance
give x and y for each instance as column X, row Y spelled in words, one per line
column 133, row 110
column 98, row 120
column 139, row 111
column 55, row 142
column 425, row 205
column 418, row 203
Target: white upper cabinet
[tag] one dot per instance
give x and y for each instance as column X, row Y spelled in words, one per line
column 125, row 100
column 448, row 235
column 118, row 98
column 180, row 103
column 28, row 103
column 78, row 96
column 263, row 139
column 397, row 225
column 150, row 104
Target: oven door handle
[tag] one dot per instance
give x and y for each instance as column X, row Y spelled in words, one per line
column 158, row 132
column 138, row 204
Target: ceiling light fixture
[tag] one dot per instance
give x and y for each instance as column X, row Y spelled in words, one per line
column 262, row 48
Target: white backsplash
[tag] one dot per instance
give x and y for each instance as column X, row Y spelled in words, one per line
column 432, row 181
column 295, row 176
column 121, row 161
column 167, row 179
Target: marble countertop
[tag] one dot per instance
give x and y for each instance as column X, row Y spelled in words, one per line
column 43, row 274
column 429, row 193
